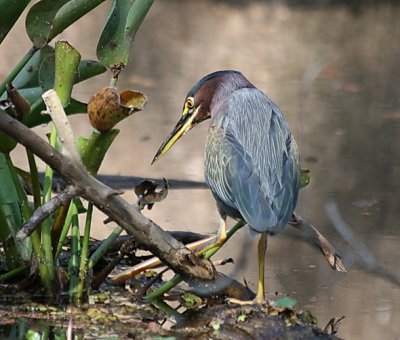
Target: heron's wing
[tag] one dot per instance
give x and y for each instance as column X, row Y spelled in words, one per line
column 259, row 175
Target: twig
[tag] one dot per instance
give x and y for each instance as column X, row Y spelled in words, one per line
column 63, row 127
column 154, row 262
column 45, row 210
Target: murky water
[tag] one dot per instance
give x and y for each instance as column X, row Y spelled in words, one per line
column 336, row 76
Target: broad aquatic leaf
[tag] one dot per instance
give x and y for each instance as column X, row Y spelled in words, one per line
column 47, row 72
column 39, row 21
column 122, row 24
column 48, row 18
column 28, row 76
column 72, row 11
column 86, row 69
column 10, row 11
column 94, row 148
column 36, row 117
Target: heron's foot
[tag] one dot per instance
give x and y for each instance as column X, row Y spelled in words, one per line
column 255, row 301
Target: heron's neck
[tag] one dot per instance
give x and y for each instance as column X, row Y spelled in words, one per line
column 224, row 88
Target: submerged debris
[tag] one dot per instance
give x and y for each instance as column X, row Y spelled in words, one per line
column 117, row 312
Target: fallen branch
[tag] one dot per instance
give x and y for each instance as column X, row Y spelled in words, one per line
column 147, row 234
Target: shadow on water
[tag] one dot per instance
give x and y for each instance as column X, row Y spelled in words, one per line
column 335, row 73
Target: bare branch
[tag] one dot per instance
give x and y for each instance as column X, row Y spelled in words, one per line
column 147, row 234
column 45, row 210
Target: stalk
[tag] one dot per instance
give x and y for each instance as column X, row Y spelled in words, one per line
column 84, row 254
column 73, row 263
column 102, row 249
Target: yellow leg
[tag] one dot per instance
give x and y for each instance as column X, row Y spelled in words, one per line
column 262, row 247
column 259, row 299
column 222, row 230
column 221, row 237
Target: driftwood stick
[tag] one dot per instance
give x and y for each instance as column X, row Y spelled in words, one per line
column 147, row 234
column 329, row 252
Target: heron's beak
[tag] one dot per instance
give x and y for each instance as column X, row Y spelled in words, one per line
column 183, row 126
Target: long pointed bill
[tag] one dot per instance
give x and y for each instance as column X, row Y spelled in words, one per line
column 183, row 126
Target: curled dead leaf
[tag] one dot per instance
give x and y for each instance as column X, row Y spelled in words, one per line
column 106, row 108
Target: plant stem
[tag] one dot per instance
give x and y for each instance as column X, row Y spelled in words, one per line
column 64, row 232
column 73, row 263
column 46, row 225
column 84, row 254
column 102, row 249
column 34, row 178
column 178, row 278
column 13, row 273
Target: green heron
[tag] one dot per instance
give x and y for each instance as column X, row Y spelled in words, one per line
column 251, row 158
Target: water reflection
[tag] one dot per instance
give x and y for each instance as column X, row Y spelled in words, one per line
column 335, row 74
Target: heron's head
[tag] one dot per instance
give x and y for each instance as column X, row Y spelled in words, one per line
column 202, row 101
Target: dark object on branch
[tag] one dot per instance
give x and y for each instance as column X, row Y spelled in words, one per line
column 147, row 195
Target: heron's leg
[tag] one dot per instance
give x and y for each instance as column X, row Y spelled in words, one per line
column 259, row 299
column 221, row 236
column 262, row 248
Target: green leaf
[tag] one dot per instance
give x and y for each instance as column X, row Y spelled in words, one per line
column 39, row 21
column 36, row 118
column 67, row 61
column 71, row 12
column 86, row 69
column 31, row 94
column 94, row 148
column 89, row 69
column 285, row 302
column 11, row 218
column 305, row 177
column 48, row 18
column 10, row 11
column 122, row 24
column 28, row 76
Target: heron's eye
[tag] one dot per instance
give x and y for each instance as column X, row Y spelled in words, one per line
column 190, row 104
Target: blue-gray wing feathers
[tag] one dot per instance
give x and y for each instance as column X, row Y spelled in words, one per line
column 252, row 160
